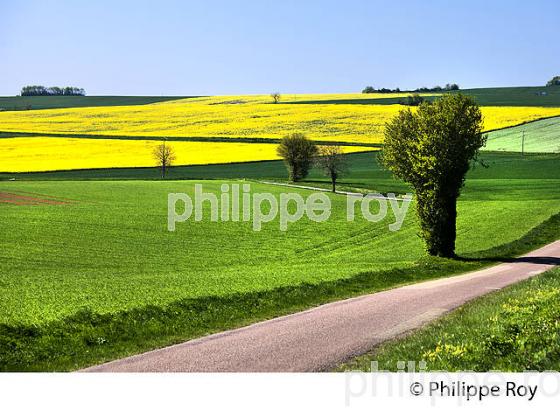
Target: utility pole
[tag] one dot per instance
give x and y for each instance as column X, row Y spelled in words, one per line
column 523, row 143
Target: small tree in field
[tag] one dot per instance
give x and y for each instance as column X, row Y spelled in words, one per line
column 298, row 153
column 164, row 156
column 275, row 97
column 333, row 162
column 432, row 150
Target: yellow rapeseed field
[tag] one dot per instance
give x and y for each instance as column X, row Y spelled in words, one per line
column 242, row 116
column 226, row 117
column 24, row 154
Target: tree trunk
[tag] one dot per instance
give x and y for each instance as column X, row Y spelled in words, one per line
column 438, row 218
column 333, row 179
column 295, row 173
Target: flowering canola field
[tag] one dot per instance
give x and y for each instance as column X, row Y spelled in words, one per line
column 247, row 117
column 27, row 154
column 241, row 117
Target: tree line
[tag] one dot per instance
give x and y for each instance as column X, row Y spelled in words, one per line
column 448, row 87
column 35, row 90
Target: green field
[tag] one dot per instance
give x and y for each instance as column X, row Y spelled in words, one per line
column 364, row 171
column 516, row 96
column 102, row 277
column 512, row 330
column 503, row 96
column 538, row 136
column 71, row 101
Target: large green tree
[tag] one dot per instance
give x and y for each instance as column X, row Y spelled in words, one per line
column 298, row 154
column 432, row 149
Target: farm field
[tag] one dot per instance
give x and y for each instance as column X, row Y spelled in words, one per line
column 539, row 136
column 46, row 102
column 252, row 117
column 28, row 154
column 516, row 96
column 501, row 97
column 105, row 250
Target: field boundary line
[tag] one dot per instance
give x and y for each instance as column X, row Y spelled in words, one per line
column 312, row 188
column 170, row 139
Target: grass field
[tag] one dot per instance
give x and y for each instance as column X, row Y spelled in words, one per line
column 516, row 96
column 239, row 117
column 90, row 272
column 538, row 136
column 365, row 171
column 512, row 330
column 46, row 102
column 501, row 97
column 100, row 275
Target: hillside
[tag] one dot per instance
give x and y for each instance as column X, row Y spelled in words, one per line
column 537, row 136
column 496, row 97
column 43, row 102
column 247, row 117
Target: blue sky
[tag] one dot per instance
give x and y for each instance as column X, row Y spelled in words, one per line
column 225, row 47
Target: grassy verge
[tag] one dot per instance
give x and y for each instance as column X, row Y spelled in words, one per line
column 86, row 338
column 514, row 329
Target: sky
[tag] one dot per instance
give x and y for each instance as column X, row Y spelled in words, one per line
column 222, row 47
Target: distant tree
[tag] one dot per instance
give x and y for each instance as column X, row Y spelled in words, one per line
column 298, row 154
column 432, row 150
column 55, row 91
column 333, row 162
column 275, row 97
column 368, row 90
column 437, row 89
column 412, row 100
column 555, row 81
column 164, row 155
column 36, row 90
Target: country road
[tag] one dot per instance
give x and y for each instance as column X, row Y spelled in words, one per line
column 320, row 338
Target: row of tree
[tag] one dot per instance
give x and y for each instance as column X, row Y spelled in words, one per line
column 301, row 154
column 448, row 87
column 35, row 90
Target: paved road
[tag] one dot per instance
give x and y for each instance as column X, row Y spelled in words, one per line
column 320, row 338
